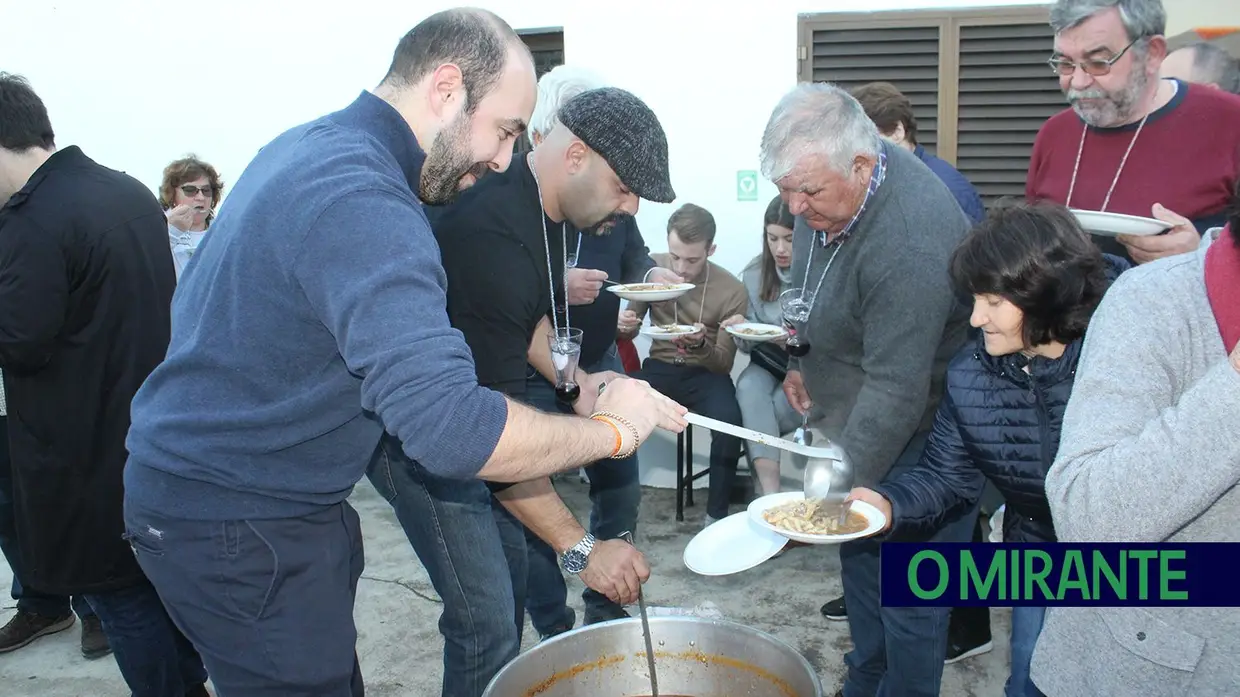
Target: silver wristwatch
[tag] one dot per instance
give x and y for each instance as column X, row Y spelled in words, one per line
column 577, row 557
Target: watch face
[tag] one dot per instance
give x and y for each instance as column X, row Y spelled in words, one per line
column 574, row 561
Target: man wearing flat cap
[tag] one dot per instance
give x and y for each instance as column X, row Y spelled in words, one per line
column 503, row 244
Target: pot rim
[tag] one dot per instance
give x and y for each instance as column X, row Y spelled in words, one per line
column 676, row 619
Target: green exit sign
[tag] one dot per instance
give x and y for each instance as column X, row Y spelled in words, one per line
column 746, row 185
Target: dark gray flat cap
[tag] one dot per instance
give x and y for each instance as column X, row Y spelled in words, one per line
column 626, row 133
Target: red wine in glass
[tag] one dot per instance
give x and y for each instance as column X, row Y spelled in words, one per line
column 796, row 346
column 567, row 392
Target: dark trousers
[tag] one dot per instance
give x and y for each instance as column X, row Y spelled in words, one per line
column 712, row 395
column 28, row 599
column 474, row 552
column 615, row 496
column 897, row 651
column 154, row 657
column 267, row 603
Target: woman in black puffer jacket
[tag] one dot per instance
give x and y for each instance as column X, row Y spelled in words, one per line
column 1035, row 279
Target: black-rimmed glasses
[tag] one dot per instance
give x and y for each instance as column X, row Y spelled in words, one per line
column 1096, row 67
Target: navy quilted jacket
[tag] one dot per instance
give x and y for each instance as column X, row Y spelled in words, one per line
column 995, row 422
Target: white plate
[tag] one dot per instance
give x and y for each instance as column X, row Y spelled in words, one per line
column 1110, row 224
column 656, row 333
column 738, row 330
column 758, row 507
column 730, row 546
column 630, row 291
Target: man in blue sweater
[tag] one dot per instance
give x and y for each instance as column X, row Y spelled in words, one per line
column 314, row 320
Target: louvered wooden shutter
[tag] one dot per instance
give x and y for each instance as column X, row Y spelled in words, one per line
column 1006, row 93
column 547, row 48
column 907, row 57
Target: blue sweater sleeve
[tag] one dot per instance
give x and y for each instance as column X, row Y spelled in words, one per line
column 944, row 482
column 371, row 270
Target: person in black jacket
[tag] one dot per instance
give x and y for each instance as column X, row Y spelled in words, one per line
column 1036, row 280
column 86, row 283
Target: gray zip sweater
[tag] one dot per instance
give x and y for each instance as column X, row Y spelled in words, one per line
column 886, row 321
column 1150, row 452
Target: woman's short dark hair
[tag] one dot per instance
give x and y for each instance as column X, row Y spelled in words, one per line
column 1036, row 256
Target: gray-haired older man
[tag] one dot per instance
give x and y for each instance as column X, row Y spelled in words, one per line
column 1131, row 142
column 875, row 229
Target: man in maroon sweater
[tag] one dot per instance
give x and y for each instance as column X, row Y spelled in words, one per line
column 1133, row 143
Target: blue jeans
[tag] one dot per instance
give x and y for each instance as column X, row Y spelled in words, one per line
column 474, row 552
column 267, row 603
column 897, row 651
column 154, row 657
column 615, row 495
column 28, row 599
column 1026, row 626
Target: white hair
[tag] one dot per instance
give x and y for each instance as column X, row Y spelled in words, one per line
column 817, row 119
column 559, row 85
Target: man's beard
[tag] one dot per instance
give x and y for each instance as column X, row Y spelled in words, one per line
column 606, row 225
column 447, row 162
column 1117, row 107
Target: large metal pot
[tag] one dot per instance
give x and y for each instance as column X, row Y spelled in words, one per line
column 694, row 657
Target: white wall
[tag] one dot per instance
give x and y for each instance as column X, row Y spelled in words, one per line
column 138, row 83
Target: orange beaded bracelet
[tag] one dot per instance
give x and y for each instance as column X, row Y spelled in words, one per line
column 619, row 437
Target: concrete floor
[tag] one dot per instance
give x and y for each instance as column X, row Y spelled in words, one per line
column 397, row 611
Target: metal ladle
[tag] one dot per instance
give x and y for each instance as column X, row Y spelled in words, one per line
column 828, row 471
column 828, row 478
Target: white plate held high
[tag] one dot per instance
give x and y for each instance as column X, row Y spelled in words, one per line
column 650, row 292
column 756, row 331
column 1111, row 224
column 732, row 545
column 668, row 332
column 873, row 516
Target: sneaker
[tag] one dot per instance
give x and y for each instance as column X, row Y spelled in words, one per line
column 94, row 641
column 560, row 628
column 835, row 610
column 606, row 613
column 958, row 650
column 25, row 627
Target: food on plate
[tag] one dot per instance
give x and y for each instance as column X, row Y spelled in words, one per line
column 649, row 287
column 670, row 328
column 754, row 331
column 811, row 518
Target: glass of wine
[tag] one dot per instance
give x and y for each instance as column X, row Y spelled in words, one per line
column 796, row 308
column 565, row 353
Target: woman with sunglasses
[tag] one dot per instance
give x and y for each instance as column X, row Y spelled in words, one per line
column 189, row 193
column 1035, row 279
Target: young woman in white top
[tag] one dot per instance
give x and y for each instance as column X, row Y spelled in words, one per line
column 189, row 193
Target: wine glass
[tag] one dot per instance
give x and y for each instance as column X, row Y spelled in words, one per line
column 565, row 345
column 796, row 309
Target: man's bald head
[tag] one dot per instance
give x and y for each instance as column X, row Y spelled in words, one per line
column 477, row 41
column 1204, row 64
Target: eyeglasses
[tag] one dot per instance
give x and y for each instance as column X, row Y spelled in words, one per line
column 192, row 191
column 1094, row 66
